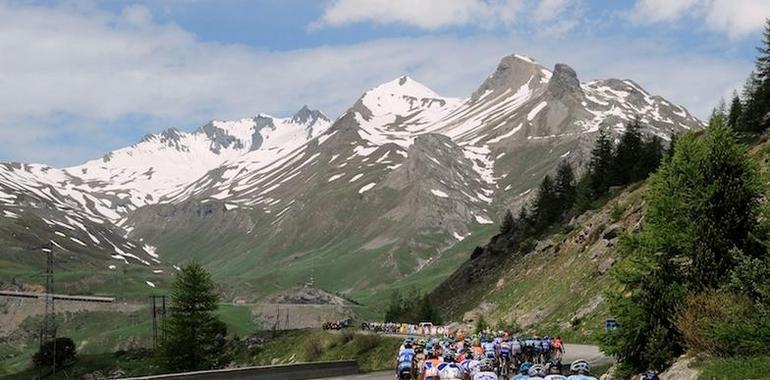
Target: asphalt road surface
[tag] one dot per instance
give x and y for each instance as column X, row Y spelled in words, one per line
column 572, row 352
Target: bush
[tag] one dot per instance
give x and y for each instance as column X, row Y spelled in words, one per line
column 312, row 347
column 481, row 325
column 365, row 343
column 724, row 324
column 617, row 211
column 510, row 327
column 347, row 336
column 65, row 353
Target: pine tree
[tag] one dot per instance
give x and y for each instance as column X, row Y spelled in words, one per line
column 564, row 186
column 195, row 337
column 624, row 167
column 601, row 164
column 703, row 206
column 508, row 224
column 736, row 109
column 763, row 60
column 756, row 100
column 583, row 193
column 651, row 157
column 545, row 207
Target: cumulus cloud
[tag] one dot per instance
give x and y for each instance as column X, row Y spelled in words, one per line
column 736, row 18
column 550, row 9
column 425, row 14
column 75, row 83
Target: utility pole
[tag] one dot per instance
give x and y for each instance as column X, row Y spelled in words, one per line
column 48, row 329
column 158, row 312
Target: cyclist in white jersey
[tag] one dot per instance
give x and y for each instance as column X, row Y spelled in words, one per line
column 486, row 371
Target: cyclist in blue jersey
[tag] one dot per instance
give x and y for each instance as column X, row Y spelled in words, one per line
column 580, row 370
column 406, row 360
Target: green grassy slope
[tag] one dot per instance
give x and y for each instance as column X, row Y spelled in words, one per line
column 557, row 287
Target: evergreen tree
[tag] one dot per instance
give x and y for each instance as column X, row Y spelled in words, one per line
column 508, row 224
column 525, row 221
column 583, row 193
column 702, row 208
column 750, row 87
column 600, row 166
column 763, row 59
column 545, row 207
column 736, row 109
column 756, row 110
column 651, row 157
column 395, row 309
column 427, row 313
column 195, row 337
column 624, row 167
column 564, row 186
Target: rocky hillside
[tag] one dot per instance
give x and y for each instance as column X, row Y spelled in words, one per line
column 394, row 189
column 555, row 288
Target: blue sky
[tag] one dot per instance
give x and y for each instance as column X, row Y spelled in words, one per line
column 78, row 79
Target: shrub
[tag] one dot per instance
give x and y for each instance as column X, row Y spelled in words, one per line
column 313, row 347
column 481, row 325
column 510, row 327
column 65, row 353
column 724, row 324
column 617, row 211
column 347, row 336
column 365, row 343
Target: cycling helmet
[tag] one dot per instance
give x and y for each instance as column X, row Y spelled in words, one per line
column 537, row 370
column 580, row 367
column 554, row 366
column 487, row 365
column 524, row 368
column 649, row 375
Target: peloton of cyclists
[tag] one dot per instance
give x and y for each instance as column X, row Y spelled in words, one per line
column 486, row 357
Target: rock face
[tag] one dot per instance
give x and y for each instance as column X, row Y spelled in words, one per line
column 383, row 192
column 681, row 370
column 559, row 282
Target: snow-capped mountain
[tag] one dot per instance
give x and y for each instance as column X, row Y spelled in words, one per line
column 385, row 190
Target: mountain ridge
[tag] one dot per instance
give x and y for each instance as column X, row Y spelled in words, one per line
column 400, row 178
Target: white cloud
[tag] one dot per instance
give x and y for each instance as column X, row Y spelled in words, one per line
column 550, row 9
column 662, row 10
column 736, row 18
column 68, row 76
column 425, row 14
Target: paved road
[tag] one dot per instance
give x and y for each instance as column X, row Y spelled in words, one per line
column 572, row 352
column 385, row 375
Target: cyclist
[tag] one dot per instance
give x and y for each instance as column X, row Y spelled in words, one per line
column 545, row 349
column 649, row 375
column 580, row 370
column 486, row 371
column 429, row 369
column 473, row 366
column 537, row 372
column 516, row 352
column 558, row 347
column 505, row 350
column 476, row 347
column 449, row 369
column 553, row 368
column 490, row 351
column 523, row 371
column 406, row 360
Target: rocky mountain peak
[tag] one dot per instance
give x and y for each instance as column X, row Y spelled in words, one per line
column 564, row 81
column 305, row 115
column 512, row 72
